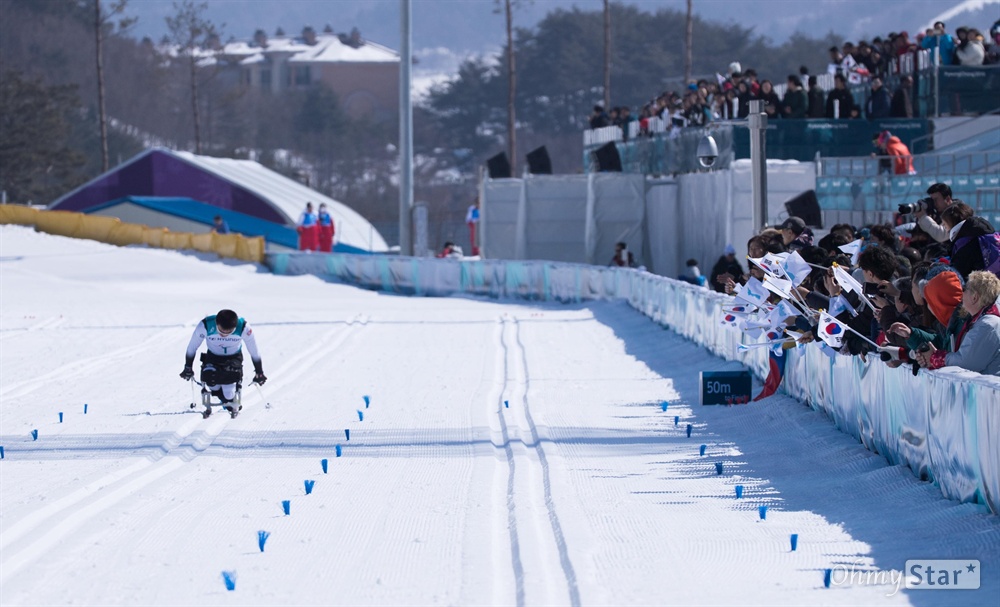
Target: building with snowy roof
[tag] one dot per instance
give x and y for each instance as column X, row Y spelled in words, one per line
column 243, row 186
column 363, row 74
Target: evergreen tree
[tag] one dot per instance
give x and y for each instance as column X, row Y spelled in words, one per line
column 36, row 162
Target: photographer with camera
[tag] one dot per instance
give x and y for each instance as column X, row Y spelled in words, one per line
column 927, row 211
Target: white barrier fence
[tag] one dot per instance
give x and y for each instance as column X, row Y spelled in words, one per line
column 944, row 425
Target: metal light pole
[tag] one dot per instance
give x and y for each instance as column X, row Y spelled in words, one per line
column 708, row 151
column 757, row 122
column 405, row 133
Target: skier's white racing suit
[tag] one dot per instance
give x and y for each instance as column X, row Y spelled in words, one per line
column 222, row 364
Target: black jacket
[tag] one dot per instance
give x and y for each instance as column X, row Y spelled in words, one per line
column 966, row 254
column 724, row 266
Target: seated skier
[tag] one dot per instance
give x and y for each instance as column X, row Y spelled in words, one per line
column 222, row 365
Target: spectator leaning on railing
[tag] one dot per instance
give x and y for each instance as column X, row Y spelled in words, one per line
column 977, row 346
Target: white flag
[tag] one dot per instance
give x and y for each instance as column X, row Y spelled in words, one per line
column 840, row 304
column 796, row 268
column 754, row 292
column 846, row 281
column 853, row 249
column 778, row 286
column 830, row 330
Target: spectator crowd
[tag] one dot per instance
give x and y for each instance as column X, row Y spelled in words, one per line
column 728, row 97
column 923, row 293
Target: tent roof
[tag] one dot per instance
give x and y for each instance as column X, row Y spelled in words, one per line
column 281, row 196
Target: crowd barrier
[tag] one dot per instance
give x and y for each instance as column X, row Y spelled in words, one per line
column 944, row 425
column 113, row 231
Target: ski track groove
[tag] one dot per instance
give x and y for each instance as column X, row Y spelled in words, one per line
column 83, row 367
column 529, row 438
column 515, row 546
column 183, row 446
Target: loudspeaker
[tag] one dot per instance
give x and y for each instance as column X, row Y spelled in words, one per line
column 806, row 207
column 539, row 162
column 498, row 166
column 608, row 158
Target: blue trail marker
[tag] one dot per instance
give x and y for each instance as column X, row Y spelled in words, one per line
column 1, row 452
column 309, row 486
column 368, row 400
column 347, row 433
column 795, row 541
column 689, row 428
column 34, row 435
column 339, row 451
column 506, row 404
column 827, row 574
column 739, row 491
column 762, row 511
column 701, row 450
column 677, row 419
column 286, row 505
column 361, row 415
column 718, row 467
column 60, row 417
column 663, row 405
column 262, row 538
column 229, row 577
column 84, row 408
column 323, row 463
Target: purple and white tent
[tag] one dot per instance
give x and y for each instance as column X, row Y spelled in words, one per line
column 244, row 186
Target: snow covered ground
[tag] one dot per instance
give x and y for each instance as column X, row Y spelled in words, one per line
column 512, row 453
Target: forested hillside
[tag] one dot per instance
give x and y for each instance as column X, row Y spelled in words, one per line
column 47, row 52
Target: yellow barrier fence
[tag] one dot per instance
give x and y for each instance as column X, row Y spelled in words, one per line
column 113, row 231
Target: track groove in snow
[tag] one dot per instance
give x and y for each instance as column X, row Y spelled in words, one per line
column 441, row 496
column 184, row 445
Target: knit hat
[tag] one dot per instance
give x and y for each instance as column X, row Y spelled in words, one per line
column 943, row 294
column 729, row 250
column 883, row 137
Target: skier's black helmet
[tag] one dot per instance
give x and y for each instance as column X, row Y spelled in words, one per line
column 226, row 320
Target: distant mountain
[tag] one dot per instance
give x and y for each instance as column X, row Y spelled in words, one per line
column 446, row 31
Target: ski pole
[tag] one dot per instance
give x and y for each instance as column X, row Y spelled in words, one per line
column 260, row 393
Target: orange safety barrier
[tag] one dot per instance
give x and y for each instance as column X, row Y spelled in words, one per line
column 113, row 231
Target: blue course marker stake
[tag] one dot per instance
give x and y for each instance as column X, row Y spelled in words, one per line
column 718, row 467
column 1, row 452
column 262, row 538
column 368, row 400
column 701, row 450
column 827, row 574
column 506, row 404
column 309, row 486
column 323, row 463
column 663, row 405
column 229, row 577
column 795, row 541
column 286, row 505
column 739, row 491
column 60, row 417
column 762, row 511
column 677, row 419
column 339, row 451
column 361, row 415
column 84, row 408
column 347, row 433
column 689, row 430
column 34, row 435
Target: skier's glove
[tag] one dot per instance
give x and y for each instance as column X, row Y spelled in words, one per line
column 259, row 378
column 187, row 373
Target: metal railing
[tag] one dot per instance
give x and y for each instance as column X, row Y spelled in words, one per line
column 933, row 164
